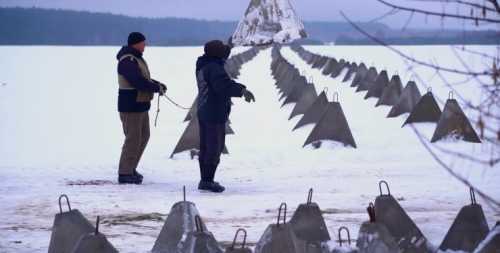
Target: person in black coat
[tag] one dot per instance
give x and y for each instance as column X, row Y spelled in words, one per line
column 215, row 90
column 136, row 90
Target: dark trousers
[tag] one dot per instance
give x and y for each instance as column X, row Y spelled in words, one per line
column 136, row 130
column 212, row 143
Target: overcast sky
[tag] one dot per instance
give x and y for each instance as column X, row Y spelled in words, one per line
column 310, row 10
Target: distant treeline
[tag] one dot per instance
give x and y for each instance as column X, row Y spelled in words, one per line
column 35, row 26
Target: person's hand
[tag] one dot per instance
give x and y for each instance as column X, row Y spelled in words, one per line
column 249, row 97
column 163, row 89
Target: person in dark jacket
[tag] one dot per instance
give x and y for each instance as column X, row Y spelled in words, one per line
column 215, row 90
column 136, row 90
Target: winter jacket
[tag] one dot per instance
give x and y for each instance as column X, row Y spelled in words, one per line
column 215, row 89
column 136, row 87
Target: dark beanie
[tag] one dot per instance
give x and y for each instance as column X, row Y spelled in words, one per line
column 135, row 37
column 216, row 48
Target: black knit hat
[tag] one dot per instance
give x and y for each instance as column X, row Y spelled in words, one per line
column 135, row 37
column 216, row 48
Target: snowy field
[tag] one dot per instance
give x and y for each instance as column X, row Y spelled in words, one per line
column 59, row 130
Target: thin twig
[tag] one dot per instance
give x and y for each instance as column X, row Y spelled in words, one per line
column 439, row 14
column 419, row 62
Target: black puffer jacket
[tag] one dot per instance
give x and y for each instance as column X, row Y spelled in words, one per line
column 215, row 89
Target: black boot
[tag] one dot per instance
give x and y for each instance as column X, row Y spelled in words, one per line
column 129, row 179
column 138, row 174
column 211, row 186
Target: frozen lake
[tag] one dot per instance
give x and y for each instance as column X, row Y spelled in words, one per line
column 59, row 126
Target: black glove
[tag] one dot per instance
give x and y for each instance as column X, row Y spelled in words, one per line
column 249, row 97
column 163, row 87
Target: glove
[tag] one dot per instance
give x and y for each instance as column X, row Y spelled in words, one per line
column 249, row 97
column 163, row 87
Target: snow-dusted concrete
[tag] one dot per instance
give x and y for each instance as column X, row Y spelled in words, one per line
column 59, row 129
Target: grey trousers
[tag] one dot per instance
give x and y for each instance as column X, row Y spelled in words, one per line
column 136, row 130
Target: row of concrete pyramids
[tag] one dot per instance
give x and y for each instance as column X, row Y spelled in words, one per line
column 190, row 139
column 328, row 117
column 451, row 122
column 388, row 230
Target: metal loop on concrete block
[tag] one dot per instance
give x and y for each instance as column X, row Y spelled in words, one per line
column 236, row 237
column 282, row 209
column 67, row 202
column 386, row 185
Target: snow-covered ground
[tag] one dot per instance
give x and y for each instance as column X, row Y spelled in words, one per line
column 59, row 129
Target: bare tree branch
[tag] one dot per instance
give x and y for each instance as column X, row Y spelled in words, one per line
column 440, row 14
column 419, row 62
column 495, row 203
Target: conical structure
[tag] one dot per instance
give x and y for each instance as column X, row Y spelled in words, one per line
column 368, row 80
column 68, row 228
column 338, row 68
column 314, row 112
column 453, row 123
column 320, row 62
column 391, row 93
column 190, row 139
column 269, row 21
column 308, row 222
column 408, row 99
column 200, row 241
column 332, row 126
column 374, row 237
column 361, row 72
column 192, row 111
column 330, row 66
column 308, row 97
column 94, row 242
column 379, row 86
column 296, row 93
column 389, row 213
column 353, row 68
column 492, row 242
column 180, row 221
column 279, row 237
column 426, row 110
column 468, row 230
column 288, row 87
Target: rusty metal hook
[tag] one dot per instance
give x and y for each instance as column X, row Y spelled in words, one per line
column 325, row 90
column 67, row 202
column 386, row 185
column 310, row 196
column 97, row 225
column 348, row 235
column 198, row 223
column 184, row 193
column 371, row 212
column 472, row 196
column 283, row 205
column 236, row 237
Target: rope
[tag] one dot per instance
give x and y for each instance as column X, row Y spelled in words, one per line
column 176, row 104
column 157, row 110
column 172, row 102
